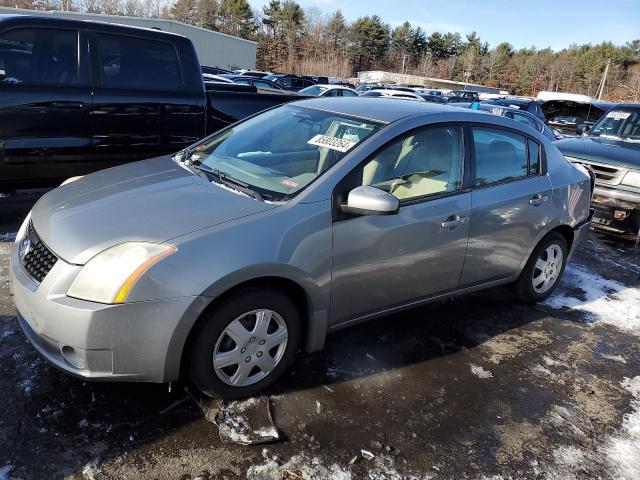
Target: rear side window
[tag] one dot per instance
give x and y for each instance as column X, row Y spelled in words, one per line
column 137, row 63
column 32, row 56
column 500, row 155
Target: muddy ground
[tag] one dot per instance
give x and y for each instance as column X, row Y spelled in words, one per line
column 478, row 387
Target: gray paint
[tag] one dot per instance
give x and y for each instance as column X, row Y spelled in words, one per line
column 213, row 48
column 350, row 270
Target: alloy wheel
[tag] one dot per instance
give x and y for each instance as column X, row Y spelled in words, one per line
column 547, row 269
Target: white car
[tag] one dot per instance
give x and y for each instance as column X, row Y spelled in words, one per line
column 388, row 93
column 321, row 90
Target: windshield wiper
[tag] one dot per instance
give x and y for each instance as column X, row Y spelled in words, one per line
column 227, row 180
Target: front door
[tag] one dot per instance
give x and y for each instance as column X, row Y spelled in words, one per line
column 384, row 261
column 511, row 203
column 45, row 105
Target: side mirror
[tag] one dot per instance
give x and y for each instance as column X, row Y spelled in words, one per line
column 582, row 129
column 368, row 200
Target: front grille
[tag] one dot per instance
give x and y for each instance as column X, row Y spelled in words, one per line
column 35, row 257
column 607, row 174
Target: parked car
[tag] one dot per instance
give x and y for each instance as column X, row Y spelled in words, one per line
column 433, row 98
column 388, row 93
column 468, row 95
column 566, row 115
column 329, row 91
column 324, row 213
column 316, row 79
column 523, row 103
column 214, row 70
column 78, row 96
column 252, row 73
column 254, row 81
column 520, row 116
column 611, row 149
column 458, row 101
column 293, row 83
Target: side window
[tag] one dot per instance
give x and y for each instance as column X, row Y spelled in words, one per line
column 423, row 162
column 518, row 117
column 500, row 155
column 260, row 84
column 285, row 82
column 243, row 81
column 137, row 63
column 34, row 56
column 348, row 93
column 332, row 93
column 534, row 157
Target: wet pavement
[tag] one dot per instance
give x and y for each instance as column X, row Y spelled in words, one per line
column 477, row 387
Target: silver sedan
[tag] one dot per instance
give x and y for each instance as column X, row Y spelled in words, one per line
column 223, row 261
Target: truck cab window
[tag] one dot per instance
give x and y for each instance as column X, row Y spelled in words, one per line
column 33, row 56
column 137, row 63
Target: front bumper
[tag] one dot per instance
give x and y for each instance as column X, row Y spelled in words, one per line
column 139, row 341
column 616, row 210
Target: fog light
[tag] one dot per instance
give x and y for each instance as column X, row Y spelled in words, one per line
column 72, row 357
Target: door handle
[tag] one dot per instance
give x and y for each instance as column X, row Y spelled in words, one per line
column 538, row 199
column 454, row 221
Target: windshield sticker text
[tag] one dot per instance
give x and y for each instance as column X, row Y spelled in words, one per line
column 339, row 144
column 618, row 115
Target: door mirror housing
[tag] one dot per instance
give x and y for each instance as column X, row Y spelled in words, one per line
column 582, row 129
column 367, row 200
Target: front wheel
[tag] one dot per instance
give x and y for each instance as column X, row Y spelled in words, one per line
column 543, row 270
column 244, row 344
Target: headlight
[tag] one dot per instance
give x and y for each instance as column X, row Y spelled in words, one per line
column 23, row 228
column 632, row 179
column 109, row 276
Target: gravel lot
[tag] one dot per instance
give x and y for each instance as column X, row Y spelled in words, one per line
column 479, row 387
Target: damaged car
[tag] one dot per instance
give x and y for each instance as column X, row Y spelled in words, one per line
column 218, row 264
column 611, row 149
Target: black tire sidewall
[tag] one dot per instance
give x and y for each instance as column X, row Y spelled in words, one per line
column 216, row 319
column 524, row 285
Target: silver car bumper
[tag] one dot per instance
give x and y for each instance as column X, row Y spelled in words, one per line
column 139, row 341
column 616, row 198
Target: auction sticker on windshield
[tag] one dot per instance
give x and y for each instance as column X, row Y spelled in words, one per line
column 339, row 144
column 618, row 115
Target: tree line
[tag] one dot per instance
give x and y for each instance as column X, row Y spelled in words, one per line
column 306, row 41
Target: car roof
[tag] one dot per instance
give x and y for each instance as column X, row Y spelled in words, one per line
column 381, row 109
column 77, row 23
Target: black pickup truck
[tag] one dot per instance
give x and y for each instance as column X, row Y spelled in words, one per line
column 79, row 96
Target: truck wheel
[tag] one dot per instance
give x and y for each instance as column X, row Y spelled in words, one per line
column 245, row 343
column 543, row 270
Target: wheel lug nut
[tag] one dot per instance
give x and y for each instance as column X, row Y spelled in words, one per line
column 248, row 359
column 261, row 342
column 243, row 350
column 259, row 354
column 252, row 339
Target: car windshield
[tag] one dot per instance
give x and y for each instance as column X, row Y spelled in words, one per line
column 314, row 90
column 623, row 123
column 278, row 153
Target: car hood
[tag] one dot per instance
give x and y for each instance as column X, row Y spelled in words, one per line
column 602, row 150
column 153, row 200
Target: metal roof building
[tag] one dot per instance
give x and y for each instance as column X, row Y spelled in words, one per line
column 214, row 48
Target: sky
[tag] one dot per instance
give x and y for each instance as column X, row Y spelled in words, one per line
column 523, row 23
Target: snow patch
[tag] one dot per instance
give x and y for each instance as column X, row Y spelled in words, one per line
column 480, row 372
column 606, row 301
column 4, row 472
column 615, row 358
column 8, row 237
column 298, row 466
column 623, row 451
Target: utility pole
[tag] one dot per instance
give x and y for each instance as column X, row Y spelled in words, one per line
column 603, row 81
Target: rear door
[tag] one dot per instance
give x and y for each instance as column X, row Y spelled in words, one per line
column 510, row 203
column 140, row 107
column 45, row 104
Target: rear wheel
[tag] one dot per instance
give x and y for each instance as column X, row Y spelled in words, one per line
column 543, row 270
column 245, row 343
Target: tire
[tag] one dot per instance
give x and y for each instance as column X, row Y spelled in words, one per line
column 530, row 287
column 231, row 331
